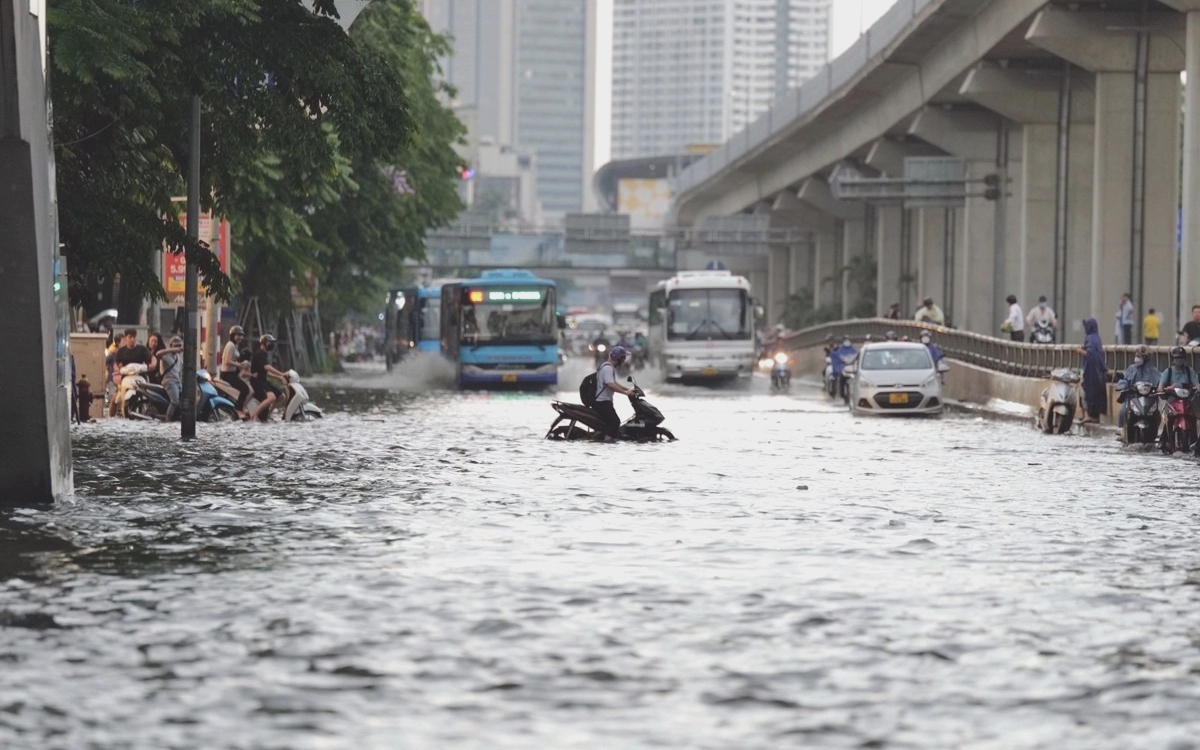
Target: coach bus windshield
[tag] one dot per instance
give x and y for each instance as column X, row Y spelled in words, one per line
column 708, row 314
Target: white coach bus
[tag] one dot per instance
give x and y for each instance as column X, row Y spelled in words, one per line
column 702, row 326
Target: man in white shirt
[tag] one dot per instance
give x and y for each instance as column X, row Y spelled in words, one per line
column 930, row 313
column 1015, row 323
column 606, row 386
column 1043, row 313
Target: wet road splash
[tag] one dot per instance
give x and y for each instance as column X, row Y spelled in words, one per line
column 422, row 570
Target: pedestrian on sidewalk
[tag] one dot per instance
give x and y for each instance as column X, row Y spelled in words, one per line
column 1150, row 325
column 1095, row 391
column 1125, row 320
column 1014, row 324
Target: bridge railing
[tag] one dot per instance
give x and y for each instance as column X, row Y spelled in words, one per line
column 988, row 352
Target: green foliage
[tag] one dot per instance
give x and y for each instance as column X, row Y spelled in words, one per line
column 298, row 117
column 861, row 275
column 799, row 313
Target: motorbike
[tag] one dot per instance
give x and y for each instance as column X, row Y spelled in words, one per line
column 1059, row 402
column 294, row 402
column 132, row 403
column 1042, row 333
column 1179, row 430
column 599, row 350
column 843, row 377
column 583, row 423
column 211, row 404
column 781, row 373
column 1142, row 415
column 827, row 377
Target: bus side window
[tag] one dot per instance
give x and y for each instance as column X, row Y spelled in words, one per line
column 658, row 301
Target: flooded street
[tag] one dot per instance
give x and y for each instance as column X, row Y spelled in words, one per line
column 422, row 570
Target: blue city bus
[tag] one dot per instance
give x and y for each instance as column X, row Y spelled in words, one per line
column 501, row 329
column 413, row 321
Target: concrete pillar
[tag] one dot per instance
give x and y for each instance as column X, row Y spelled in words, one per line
column 1109, row 44
column 778, row 273
column 35, row 463
column 1189, row 271
column 825, row 268
column 930, row 258
column 888, row 225
column 854, row 245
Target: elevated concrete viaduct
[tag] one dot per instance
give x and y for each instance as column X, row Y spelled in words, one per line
column 36, row 454
column 1073, row 112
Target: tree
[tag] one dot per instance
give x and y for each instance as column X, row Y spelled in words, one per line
column 292, row 105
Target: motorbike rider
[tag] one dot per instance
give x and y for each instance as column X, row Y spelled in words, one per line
column 232, row 365
column 601, row 340
column 1141, row 371
column 839, row 359
column 1042, row 313
column 606, row 385
column 260, row 369
column 130, row 352
column 1191, row 330
column 935, row 351
column 830, row 343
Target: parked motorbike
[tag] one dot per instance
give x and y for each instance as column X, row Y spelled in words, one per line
column 1179, row 430
column 1059, row 402
column 211, row 404
column 582, row 423
column 1042, row 333
column 1142, row 414
column 781, row 373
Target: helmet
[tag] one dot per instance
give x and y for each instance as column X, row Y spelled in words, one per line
column 618, row 352
column 236, row 331
column 830, row 337
column 890, row 335
column 267, row 341
column 926, row 337
column 1177, row 352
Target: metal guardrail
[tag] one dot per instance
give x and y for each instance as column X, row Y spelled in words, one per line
column 999, row 355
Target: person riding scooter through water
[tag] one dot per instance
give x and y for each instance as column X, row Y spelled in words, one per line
column 1179, row 373
column 1141, row 371
column 935, row 351
column 260, row 369
column 840, row 357
column 606, row 386
column 599, row 353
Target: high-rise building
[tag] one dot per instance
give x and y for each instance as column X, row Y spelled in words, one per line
column 525, row 71
column 691, row 72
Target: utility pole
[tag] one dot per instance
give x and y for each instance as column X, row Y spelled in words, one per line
column 191, row 331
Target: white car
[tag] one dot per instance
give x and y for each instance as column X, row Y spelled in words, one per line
column 894, row 377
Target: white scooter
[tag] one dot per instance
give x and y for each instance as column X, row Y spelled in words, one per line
column 294, row 402
column 132, row 375
column 1058, row 403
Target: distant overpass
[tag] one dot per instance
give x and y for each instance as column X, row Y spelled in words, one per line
column 1065, row 114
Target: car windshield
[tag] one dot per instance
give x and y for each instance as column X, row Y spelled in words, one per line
column 896, row 359
column 708, row 313
column 493, row 315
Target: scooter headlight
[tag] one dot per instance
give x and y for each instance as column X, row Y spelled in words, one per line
column 1144, row 389
column 781, row 358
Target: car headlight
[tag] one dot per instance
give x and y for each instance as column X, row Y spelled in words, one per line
column 865, row 383
column 930, row 383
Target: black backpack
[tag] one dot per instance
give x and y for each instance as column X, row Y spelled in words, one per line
column 587, row 390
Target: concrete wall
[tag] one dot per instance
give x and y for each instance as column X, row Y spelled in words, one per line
column 35, row 462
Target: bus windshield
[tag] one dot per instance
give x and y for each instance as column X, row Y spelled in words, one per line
column 431, row 320
column 707, row 313
column 494, row 315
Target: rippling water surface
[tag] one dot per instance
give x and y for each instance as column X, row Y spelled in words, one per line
column 422, row 570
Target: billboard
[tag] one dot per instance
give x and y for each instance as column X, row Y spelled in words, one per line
column 175, row 265
column 645, row 200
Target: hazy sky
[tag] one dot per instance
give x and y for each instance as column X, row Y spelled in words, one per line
column 850, row 17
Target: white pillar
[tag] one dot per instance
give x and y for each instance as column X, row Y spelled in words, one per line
column 1189, row 282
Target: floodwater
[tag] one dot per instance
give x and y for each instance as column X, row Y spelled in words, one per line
column 422, row 570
